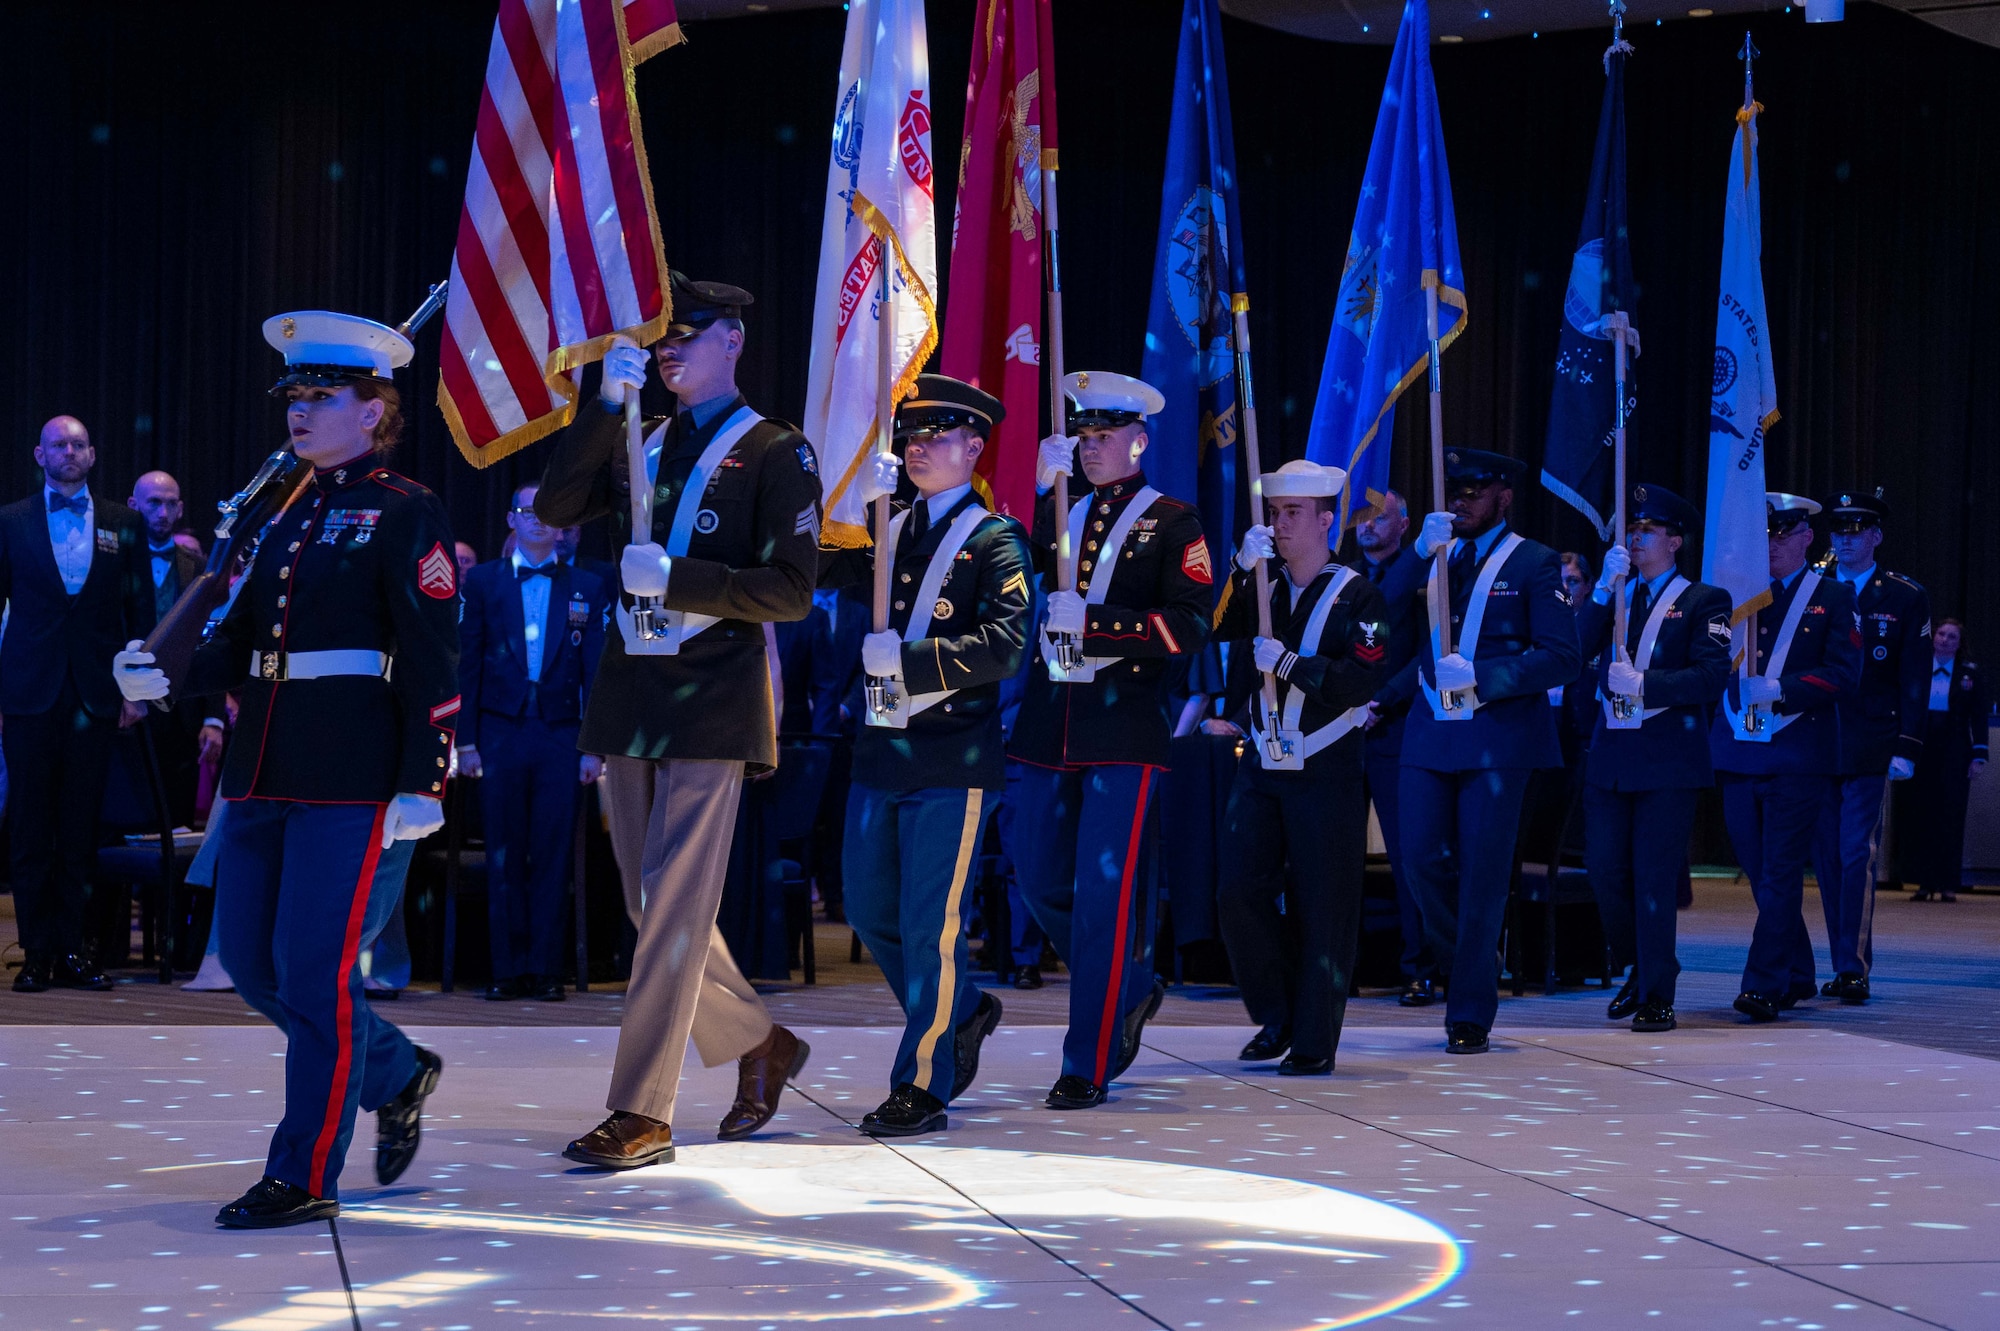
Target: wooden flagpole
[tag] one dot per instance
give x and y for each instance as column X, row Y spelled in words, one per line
column 1246, row 398
column 1440, row 573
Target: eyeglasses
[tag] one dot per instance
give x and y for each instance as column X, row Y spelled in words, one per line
column 522, row 510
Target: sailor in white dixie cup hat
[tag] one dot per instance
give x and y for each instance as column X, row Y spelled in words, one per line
column 1329, row 643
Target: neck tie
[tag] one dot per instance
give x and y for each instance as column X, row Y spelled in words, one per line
column 920, row 520
column 78, row 504
column 526, row 571
column 1375, row 571
column 1459, row 569
column 1642, row 601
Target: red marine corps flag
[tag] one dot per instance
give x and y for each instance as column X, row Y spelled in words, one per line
column 993, row 321
column 558, row 244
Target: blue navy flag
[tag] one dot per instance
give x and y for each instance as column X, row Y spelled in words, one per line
column 1578, row 464
column 1404, row 241
column 1197, row 273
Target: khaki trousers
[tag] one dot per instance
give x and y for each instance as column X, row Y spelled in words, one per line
column 672, row 824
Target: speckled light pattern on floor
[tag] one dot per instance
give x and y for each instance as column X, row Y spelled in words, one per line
column 1773, row 1177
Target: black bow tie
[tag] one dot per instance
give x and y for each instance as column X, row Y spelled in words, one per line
column 79, row 504
column 1942, row 670
column 526, row 571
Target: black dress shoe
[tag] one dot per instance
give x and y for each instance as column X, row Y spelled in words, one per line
column 1465, row 1037
column 1923, row 894
column 1759, row 1007
column 1626, row 1003
column 1850, row 989
column 1655, row 1017
column 273, row 1205
column 1267, row 1044
column 400, row 1123
column 507, row 990
column 1028, row 977
column 1135, row 1029
column 1418, row 993
column 33, row 979
column 910, row 1111
column 545, row 989
column 73, row 972
column 1294, row 1066
column 971, row 1036
column 1073, row 1092
column 1798, row 994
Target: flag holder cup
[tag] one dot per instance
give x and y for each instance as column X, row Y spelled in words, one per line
column 885, row 696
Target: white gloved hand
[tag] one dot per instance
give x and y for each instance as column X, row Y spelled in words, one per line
column 1617, row 564
column 1065, row 613
column 1901, row 769
column 1760, row 689
column 411, row 818
column 1436, row 532
column 138, row 678
column 1268, row 652
column 1627, row 679
column 1455, row 674
column 643, row 570
column 1057, row 454
column 624, row 371
column 877, row 477
column 882, row 655
column 1258, row 543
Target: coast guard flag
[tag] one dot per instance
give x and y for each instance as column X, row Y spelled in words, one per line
column 993, row 326
column 878, row 211
column 1579, row 465
column 1744, row 399
column 558, row 242
column 1197, row 271
column 1404, row 240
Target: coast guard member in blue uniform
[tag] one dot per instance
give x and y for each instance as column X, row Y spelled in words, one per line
column 1648, row 758
column 927, row 770
column 343, row 647
column 1776, row 745
column 1881, row 735
column 1298, row 802
column 1479, row 722
column 1092, row 738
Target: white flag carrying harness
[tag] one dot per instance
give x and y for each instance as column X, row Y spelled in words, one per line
column 680, row 625
column 1775, row 667
column 1288, row 724
column 1475, row 616
column 922, row 613
column 1107, row 564
column 1644, row 656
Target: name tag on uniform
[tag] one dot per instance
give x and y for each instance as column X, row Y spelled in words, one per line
column 360, row 522
column 107, row 541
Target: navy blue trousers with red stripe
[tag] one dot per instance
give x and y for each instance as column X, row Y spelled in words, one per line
column 299, row 892
column 1081, row 859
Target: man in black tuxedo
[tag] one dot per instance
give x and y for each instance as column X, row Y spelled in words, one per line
column 192, row 734
column 74, row 573
column 529, row 640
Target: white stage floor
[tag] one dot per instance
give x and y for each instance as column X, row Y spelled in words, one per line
column 1783, row 1177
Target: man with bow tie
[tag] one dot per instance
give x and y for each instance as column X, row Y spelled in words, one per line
column 75, row 574
column 529, row 640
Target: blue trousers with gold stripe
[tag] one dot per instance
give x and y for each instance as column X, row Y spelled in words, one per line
column 1081, row 856
column 906, row 857
column 300, row 891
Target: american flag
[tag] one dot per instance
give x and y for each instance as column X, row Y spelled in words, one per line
column 558, row 243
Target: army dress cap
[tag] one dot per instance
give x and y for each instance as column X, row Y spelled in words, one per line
column 1476, row 464
column 942, row 403
column 1656, row 503
column 1853, row 511
column 1786, row 511
column 1100, row 397
column 699, row 304
column 328, row 349
column 1304, row 480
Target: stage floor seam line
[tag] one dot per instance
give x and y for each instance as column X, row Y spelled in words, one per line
column 1037, row 1244
column 1426, row 1144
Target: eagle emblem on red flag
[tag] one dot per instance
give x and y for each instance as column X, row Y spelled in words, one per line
column 437, row 573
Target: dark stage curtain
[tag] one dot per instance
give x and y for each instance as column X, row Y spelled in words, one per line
column 186, row 171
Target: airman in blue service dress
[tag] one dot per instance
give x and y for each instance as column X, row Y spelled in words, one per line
column 1648, row 757
column 1881, row 735
column 1479, row 723
column 927, row 773
column 1296, row 826
column 1092, row 746
column 343, row 649
column 1776, row 744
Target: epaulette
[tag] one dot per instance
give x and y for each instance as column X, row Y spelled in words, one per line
column 1903, row 578
column 398, row 482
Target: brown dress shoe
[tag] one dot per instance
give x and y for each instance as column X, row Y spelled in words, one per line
column 761, row 1075
column 624, row 1141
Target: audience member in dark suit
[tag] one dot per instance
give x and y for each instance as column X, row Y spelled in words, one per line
column 837, row 679
column 529, row 642
column 192, row 733
column 1933, row 808
column 74, row 574
column 800, row 650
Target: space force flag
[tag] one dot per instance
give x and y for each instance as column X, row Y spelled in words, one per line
column 879, row 219
column 1579, row 465
column 1404, row 241
column 1197, row 270
column 1743, row 402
